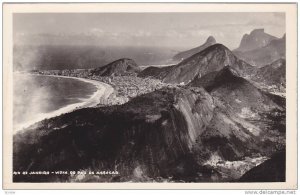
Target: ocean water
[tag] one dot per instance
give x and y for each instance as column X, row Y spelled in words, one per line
column 34, row 95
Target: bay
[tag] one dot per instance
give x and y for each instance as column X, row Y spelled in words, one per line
column 34, row 95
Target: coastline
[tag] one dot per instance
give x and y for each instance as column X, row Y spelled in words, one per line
column 104, row 90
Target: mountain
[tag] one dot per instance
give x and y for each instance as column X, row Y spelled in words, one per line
column 213, row 58
column 267, row 54
column 256, row 39
column 122, row 66
column 166, row 135
column 147, row 137
column 247, row 107
column 241, row 96
column 155, row 72
column 272, row 170
column 185, row 54
column 272, row 74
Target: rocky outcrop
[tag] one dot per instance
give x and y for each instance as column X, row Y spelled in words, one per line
column 256, row 39
column 168, row 134
column 214, row 58
column 248, row 110
column 186, row 54
column 272, row 170
column 155, row 72
column 267, row 54
column 119, row 67
column 239, row 93
column 272, row 74
column 149, row 134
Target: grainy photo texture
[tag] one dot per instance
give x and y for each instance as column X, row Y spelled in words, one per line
column 185, row 97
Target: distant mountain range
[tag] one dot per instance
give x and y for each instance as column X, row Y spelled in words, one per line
column 257, row 48
column 256, row 39
column 213, row 58
column 260, row 49
column 202, row 66
column 210, row 112
column 174, row 132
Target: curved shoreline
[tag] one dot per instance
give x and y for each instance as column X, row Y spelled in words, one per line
column 100, row 96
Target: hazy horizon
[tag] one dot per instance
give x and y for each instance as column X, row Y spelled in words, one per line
column 171, row 30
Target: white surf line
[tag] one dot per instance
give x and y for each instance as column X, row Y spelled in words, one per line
column 157, row 65
column 103, row 92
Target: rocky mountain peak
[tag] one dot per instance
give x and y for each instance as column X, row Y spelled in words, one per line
column 225, row 75
column 216, row 48
column 257, row 31
column 256, row 39
column 211, row 40
column 186, row 54
column 213, row 58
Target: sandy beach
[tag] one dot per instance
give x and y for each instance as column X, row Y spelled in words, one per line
column 100, row 96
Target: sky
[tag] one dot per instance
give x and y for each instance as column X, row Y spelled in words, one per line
column 178, row 30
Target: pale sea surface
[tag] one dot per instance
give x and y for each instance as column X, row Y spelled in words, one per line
column 38, row 94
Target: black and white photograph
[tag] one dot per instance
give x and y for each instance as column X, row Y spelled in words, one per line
column 150, row 97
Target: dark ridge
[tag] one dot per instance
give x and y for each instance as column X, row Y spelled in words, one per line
column 122, row 66
column 214, row 48
column 204, row 81
column 147, row 134
column 281, row 101
column 226, row 76
column 272, row 74
column 272, row 170
column 155, row 72
column 212, row 59
column 238, row 93
column 150, row 135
